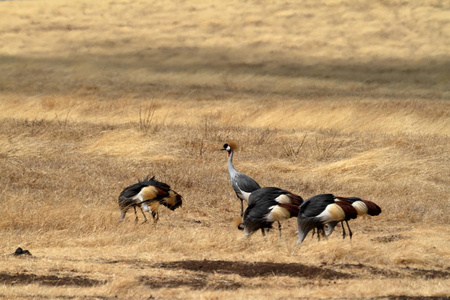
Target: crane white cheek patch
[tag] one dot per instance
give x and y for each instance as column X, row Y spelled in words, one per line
column 247, row 232
column 330, row 228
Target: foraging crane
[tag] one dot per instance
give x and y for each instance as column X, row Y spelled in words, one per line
column 320, row 210
column 148, row 194
column 363, row 207
column 268, row 205
column 242, row 184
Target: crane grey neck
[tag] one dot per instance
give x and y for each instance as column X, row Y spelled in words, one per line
column 231, row 170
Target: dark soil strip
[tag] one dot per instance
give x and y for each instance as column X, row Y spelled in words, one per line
column 195, row 283
column 52, row 280
column 410, row 272
column 428, row 274
column 370, row 269
column 254, row 269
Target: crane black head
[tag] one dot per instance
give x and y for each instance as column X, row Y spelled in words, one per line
column 231, row 146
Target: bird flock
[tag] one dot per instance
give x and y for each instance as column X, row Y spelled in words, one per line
column 266, row 205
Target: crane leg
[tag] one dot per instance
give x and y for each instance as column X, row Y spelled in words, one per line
column 343, row 230
column 263, row 232
column 350, row 234
column 318, row 230
column 279, row 227
column 241, row 226
column 142, row 211
column 122, row 215
column 135, row 213
column 155, row 216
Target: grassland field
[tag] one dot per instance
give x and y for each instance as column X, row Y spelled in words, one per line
column 335, row 96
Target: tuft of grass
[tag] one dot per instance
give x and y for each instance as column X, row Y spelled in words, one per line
column 146, row 115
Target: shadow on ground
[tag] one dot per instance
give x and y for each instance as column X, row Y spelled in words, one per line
column 216, row 68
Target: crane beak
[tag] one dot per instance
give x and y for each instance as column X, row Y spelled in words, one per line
column 223, row 149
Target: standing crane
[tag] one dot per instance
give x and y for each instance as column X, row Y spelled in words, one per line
column 268, row 205
column 242, row 184
column 320, row 210
column 148, row 194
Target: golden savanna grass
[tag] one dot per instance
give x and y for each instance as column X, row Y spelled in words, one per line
column 343, row 97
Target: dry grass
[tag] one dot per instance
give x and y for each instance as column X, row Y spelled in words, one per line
column 338, row 96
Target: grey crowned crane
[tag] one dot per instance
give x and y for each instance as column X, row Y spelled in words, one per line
column 148, row 194
column 268, row 205
column 363, row 208
column 320, row 210
column 242, row 184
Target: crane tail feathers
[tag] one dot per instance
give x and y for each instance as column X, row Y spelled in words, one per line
column 372, row 208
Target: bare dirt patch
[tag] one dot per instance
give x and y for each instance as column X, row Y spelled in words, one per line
column 255, row 269
column 52, row 280
column 390, row 238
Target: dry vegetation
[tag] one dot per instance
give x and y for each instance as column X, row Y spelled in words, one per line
column 348, row 97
